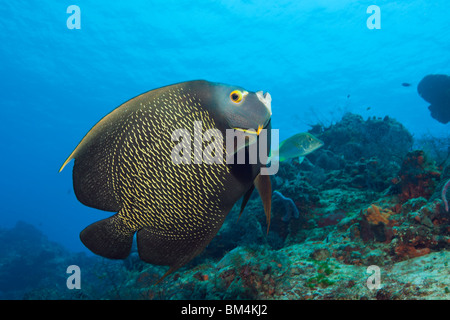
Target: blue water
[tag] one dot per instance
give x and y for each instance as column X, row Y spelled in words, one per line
column 318, row 60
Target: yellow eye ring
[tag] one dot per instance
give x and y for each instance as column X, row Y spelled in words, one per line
column 236, row 96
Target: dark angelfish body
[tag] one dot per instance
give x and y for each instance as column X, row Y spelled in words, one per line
column 124, row 165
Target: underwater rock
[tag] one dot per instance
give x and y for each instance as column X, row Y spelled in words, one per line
column 328, row 160
column 422, row 231
column 32, row 267
column 370, row 151
column 355, row 138
column 264, row 274
column 374, row 257
column 337, row 204
column 320, row 254
column 330, row 219
column 241, row 231
column 27, row 257
column 413, row 204
column 243, row 273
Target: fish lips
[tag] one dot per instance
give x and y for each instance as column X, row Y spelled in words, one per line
column 320, row 143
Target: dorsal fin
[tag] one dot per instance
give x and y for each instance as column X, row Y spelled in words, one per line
column 95, row 171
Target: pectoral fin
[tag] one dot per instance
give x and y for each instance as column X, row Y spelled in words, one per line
column 264, row 187
column 247, row 196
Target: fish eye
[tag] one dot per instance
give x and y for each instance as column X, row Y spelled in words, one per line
column 236, row 96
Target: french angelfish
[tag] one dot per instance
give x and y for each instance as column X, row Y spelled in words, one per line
column 124, row 165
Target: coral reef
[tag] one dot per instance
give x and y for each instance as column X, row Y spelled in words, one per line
column 364, row 199
column 417, row 176
column 31, row 266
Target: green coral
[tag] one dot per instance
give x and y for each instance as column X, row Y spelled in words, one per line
column 320, row 280
column 324, row 269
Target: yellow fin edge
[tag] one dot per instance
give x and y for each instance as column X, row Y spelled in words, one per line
column 67, row 161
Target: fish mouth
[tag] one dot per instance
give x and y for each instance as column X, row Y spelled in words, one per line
column 319, row 143
column 251, row 130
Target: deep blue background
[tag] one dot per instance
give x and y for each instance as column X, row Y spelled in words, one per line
column 56, row 83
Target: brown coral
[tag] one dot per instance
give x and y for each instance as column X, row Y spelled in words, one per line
column 375, row 215
column 375, row 224
column 417, row 177
column 407, row 251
